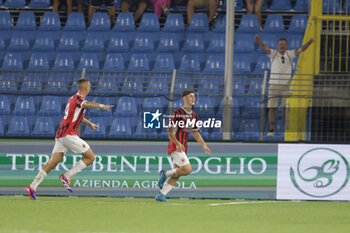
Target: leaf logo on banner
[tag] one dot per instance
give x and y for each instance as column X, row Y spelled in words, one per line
column 317, row 180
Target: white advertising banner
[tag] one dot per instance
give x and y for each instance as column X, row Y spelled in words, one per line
column 313, row 172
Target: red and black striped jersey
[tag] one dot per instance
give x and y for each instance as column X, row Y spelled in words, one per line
column 73, row 115
column 182, row 130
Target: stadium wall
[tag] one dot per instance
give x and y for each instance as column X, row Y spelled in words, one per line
column 233, row 170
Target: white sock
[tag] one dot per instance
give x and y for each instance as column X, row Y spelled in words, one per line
column 166, row 188
column 171, row 173
column 38, row 179
column 77, row 168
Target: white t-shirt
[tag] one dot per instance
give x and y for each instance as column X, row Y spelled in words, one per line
column 281, row 66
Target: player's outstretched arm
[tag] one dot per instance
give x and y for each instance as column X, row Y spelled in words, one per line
column 90, row 124
column 200, row 140
column 87, row 104
column 303, row 47
column 262, row 45
column 179, row 146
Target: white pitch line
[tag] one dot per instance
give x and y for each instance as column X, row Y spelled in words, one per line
column 241, row 203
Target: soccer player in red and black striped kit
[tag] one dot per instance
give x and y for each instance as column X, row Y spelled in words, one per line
column 178, row 144
column 67, row 138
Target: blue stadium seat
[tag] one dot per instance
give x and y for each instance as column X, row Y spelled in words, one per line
column 294, row 41
column 75, row 22
column 249, row 130
column 199, row 23
column 2, row 133
column 18, row 127
column 107, row 86
column 280, row 5
column 301, row 5
column 220, row 25
column 100, row 22
column 298, row 24
column 152, row 104
column 63, row 61
column 244, row 43
column 270, row 40
column 143, row 43
column 24, row 106
column 215, row 64
column 190, row 63
column 68, row 42
column 158, row 86
column 174, row 23
column 132, row 87
column 19, row 42
column 114, row 62
column 193, row 43
column 139, row 62
column 50, row 22
column 51, row 106
column 118, row 43
column 15, row 3
column 249, row 23
column 43, row 127
column 274, row 24
column 38, row 61
column 126, row 107
column 8, row 84
column 125, row 23
column 330, row 6
column 262, row 64
column 88, row 61
column 4, row 109
column 120, row 128
column 182, row 84
column 204, row 107
column 168, row 43
column 32, row 84
column 98, row 132
column 26, row 24
column 5, row 23
column 13, row 61
column 44, row 42
column 56, row 85
column 217, row 43
column 252, row 105
column 149, row 23
column 164, row 62
column 141, row 132
column 93, row 43
column 241, row 64
column 39, row 4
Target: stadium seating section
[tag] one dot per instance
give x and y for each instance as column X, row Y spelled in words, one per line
column 131, row 67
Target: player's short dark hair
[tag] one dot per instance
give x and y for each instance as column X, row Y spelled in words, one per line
column 187, row 92
column 82, row 80
column 283, row 39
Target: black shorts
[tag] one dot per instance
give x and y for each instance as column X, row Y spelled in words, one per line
column 98, row 3
column 135, row 3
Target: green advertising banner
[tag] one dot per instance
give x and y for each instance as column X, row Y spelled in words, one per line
column 220, row 175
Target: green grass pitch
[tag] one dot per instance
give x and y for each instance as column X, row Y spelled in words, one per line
column 19, row 214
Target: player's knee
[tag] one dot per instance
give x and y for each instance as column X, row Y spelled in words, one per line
column 187, row 169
